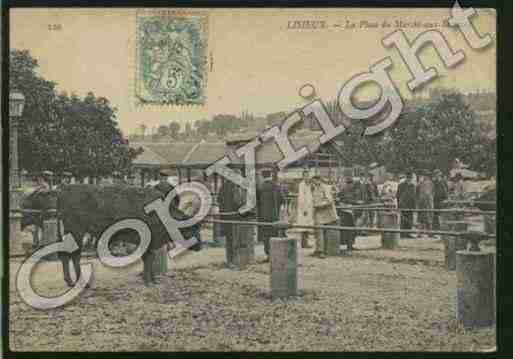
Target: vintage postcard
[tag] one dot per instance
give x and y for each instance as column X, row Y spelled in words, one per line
column 252, row 179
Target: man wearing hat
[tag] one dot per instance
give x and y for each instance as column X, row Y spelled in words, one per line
column 406, row 194
column 458, row 188
column 47, row 177
column 230, row 199
column 269, row 201
column 346, row 197
column 165, row 187
column 425, row 191
column 371, row 196
column 441, row 193
column 116, row 177
column 131, row 179
column 42, row 182
column 66, row 178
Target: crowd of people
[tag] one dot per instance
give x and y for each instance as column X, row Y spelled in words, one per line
column 348, row 202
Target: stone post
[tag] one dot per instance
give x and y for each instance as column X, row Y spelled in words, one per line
column 15, row 235
column 216, row 227
column 160, row 261
column 253, row 238
column 50, row 235
column 390, row 240
column 284, row 274
column 332, row 243
column 452, row 243
column 219, row 242
column 243, row 245
column 476, row 288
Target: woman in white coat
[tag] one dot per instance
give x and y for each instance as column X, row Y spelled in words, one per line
column 305, row 209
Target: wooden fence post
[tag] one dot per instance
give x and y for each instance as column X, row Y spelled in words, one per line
column 50, row 235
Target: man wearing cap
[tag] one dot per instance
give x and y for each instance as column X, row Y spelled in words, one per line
column 406, row 193
column 269, row 201
column 441, row 193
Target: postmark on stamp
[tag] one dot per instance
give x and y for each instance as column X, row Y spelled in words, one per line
column 171, row 49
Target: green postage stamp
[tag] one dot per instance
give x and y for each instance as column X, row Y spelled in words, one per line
column 171, row 49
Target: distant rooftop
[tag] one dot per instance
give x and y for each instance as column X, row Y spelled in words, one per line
column 202, row 154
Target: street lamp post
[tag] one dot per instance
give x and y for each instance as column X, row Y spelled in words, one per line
column 17, row 238
column 16, row 105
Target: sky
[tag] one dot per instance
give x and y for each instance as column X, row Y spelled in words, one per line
column 259, row 63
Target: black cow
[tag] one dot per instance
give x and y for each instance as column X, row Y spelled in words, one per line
column 91, row 209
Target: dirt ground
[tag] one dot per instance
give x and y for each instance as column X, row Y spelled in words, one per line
column 371, row 300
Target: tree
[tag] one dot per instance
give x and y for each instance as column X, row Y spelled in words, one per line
column 163, row 131
column 202, row 127
column 65, row 133
column 188, row 129
column 142, row 129
column 431, row 135
column 174, row 129
column 223, row 124
column 275, row 118
column 357, row 149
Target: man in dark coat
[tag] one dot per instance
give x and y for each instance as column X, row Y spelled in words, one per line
column 347, row 196
column 406, row 193
column 269, row 201
column 229, row 200
column 441, row 193
column 164, row 186
column 359, row 196
column 372, row 196
column 487, row 202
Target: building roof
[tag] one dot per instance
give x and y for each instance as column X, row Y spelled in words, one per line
column 147, row 158
column 202, row 154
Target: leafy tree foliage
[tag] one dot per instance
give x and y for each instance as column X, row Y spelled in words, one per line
column 223, row 124
column 426, row 136
column 203, row 127
column 163, row 130
column 65, row 133
column 174, row 129
column 434, row 134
